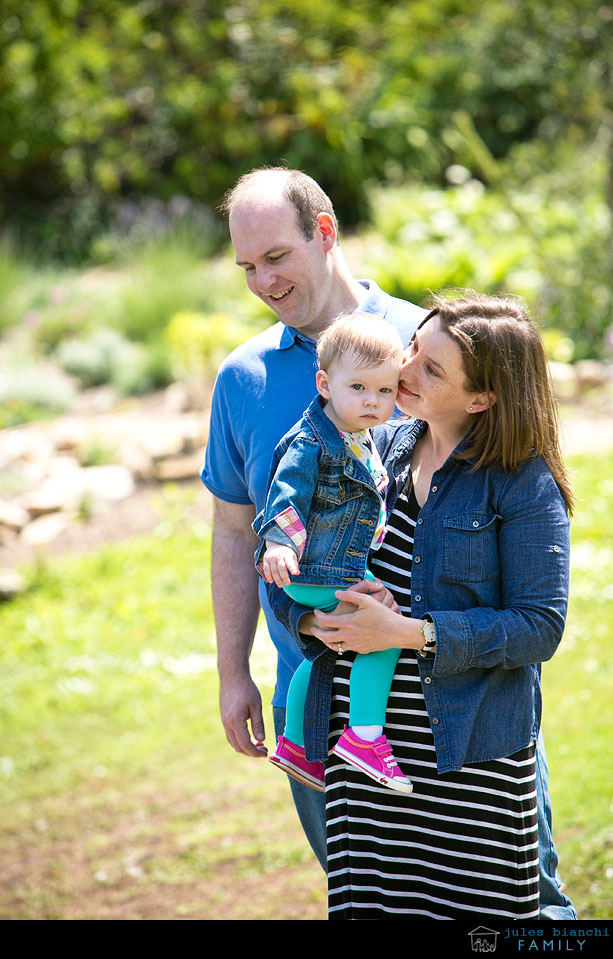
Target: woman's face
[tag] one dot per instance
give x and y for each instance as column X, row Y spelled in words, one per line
column 432, row 379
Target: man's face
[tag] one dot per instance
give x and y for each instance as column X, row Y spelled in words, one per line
column 286, row 271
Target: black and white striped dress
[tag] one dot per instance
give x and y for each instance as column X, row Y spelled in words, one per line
column 463, row 844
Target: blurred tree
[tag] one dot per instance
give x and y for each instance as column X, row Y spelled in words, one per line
column 111, row 101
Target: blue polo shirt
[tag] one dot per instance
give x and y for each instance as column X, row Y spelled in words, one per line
column 261, row 391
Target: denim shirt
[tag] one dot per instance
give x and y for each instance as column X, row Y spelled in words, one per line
column 491, row 569
column 331, row 494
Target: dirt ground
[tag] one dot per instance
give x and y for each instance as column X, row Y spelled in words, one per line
column 53, row 873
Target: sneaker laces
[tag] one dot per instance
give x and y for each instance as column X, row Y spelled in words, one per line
column 384, row 752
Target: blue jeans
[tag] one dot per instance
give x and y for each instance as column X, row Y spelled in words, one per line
column 553, row 903
column 310, row 806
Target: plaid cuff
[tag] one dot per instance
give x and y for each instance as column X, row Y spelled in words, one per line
column 291, row 524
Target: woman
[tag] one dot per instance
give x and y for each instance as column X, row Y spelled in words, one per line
column 476, row 558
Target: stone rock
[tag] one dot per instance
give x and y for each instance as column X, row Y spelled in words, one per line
column 60, row 489
column 590, row 375
column 11, row 584
column 564, row 379
column 69, row 486
column 13, row 516
column 44, row 529
column 177, row 468
column 108, row 484
column 69, row 434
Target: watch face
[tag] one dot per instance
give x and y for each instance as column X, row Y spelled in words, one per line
column 429, row 633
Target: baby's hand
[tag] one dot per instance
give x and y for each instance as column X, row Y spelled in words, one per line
column 278, row 563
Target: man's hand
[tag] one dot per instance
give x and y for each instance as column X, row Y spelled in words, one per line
column 241, row 714
column 279, row 563
column 236, row 606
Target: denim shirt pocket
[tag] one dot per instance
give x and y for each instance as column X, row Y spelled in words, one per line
column 470, row 547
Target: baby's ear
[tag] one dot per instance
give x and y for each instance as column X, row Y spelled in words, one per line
column 322, row 384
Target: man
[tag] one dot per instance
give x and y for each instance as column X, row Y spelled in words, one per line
column 285, row 236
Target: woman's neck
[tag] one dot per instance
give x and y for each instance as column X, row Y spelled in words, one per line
column 440, row 443
column 433, row 448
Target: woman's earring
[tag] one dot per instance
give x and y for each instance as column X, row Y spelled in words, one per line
column 470, row 409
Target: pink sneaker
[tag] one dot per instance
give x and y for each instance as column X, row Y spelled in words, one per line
column 292, row 759
column 375, row 759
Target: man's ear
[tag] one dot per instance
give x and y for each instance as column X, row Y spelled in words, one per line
column 322, row 384
column 480, row 402
column 326, row 229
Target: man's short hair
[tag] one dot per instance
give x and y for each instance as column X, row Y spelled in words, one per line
column 367, row 338
column 302, row 191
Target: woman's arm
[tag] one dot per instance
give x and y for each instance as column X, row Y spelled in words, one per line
column 369, row 626
column 533, row 552
column 316, row 631
column 366, row 619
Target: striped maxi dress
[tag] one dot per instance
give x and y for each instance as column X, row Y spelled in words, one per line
column 463, row 844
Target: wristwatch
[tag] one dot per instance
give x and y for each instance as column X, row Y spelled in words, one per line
column 428, row 631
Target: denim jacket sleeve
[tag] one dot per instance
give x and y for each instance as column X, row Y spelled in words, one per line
column 533, row 549
column 290, row 494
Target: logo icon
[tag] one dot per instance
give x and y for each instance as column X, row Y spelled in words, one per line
column 483, row 940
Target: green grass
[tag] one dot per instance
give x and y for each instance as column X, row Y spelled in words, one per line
column 578, row 684
column 118, row 791
column 120, row 797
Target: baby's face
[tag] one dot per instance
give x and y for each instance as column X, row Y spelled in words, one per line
column 359, row 397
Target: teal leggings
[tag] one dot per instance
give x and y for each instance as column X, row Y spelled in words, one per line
column 371, row 673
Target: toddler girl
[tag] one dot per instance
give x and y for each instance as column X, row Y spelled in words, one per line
column 324, row 511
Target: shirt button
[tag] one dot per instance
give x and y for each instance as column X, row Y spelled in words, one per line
column 417, row 559
column 417, row 598
column 434, row 489
column 435, row 721
column 428, row 680
column 475, row 523
column 420, row 522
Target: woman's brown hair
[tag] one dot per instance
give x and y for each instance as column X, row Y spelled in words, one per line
column 503, row 354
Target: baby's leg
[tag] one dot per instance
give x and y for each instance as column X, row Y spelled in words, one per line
column 296, row 699
column 371, row 680
column 364, row 744
column 318, row 597
column 289, row 754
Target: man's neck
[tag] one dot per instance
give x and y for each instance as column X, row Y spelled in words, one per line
column 346, row 297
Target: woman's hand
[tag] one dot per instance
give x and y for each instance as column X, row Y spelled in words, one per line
column 370, row 626
column 368, row 587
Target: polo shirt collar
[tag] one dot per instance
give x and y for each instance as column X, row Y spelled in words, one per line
column 372, row 302
column 290, row 336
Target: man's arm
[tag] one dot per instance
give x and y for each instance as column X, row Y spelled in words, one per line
column 236, row 607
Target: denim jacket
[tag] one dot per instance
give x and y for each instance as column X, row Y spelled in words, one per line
column 331, row 500
column 491, row 569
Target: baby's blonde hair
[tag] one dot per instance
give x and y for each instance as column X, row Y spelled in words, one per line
column 368, row 339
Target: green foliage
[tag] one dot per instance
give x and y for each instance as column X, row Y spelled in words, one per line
column 11, row 276
column 121, row 126
column 105, row 109
column 529, row 239
column 28, row 393
column 198, row 342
